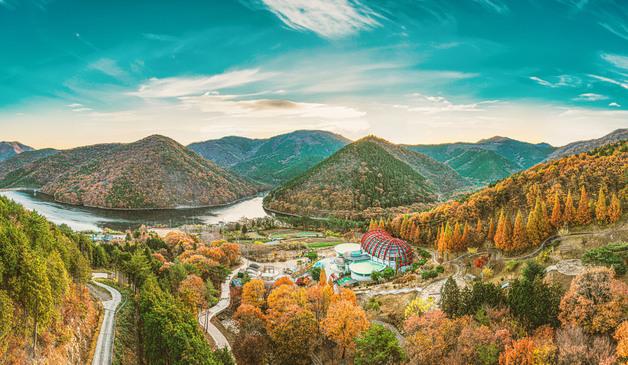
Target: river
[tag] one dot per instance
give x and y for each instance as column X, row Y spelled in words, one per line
column 94, row 219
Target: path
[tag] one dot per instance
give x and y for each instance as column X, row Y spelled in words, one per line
column 204, row 318
column 104, row 346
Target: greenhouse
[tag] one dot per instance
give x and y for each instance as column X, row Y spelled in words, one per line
column 387, row 250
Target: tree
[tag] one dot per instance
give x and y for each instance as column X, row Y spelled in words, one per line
column 614, row 210
column 569, row 214
column 520, row 352
column 621, row 336
column 595, row 301
column 322, row 278
column 583, row 215
column 601, row 212
column 451, row 301
column 253, row 293
column 556, row 218
column 388, row 273
column 193, row 292
column 502, row 233
column 344, row 322
column 290, row 330
column 418, row 306
column 479, row 232
column 250, row 319
column 378, row 346
column 519, row 239
column 466, row 235
column 490, row 235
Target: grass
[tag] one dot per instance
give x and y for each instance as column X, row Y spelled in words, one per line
column 322, row 244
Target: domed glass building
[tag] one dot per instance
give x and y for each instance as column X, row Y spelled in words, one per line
column 387, row 250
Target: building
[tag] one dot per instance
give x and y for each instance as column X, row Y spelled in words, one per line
column 377, row 250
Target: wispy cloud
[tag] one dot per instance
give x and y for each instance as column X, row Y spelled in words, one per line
column 183, row 86
column 619, row 29
column 562, row 80
column 591, row 97
column 159, row 37
column 327, row 18
column 494, row 5
column 622, row 84
column 109, row 67
column 77, row 108
column 428, row 104
column 616, row 60
column 614, row 104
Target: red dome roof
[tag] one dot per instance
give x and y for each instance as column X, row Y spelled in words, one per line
column 380, row 244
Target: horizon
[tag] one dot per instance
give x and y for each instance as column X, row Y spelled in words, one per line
column 297, row 130
column 413, row 73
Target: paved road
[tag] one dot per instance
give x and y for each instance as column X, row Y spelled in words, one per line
column 204, row 318
column 104, row 346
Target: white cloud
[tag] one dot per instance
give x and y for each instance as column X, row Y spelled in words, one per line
column 610, row 81
column 77, row 107
column 591, row 97
column 618, row 29
column 494, row 5
column 561, row 81
column 182, row 86
column 327, row 18
column 427, row 104
column 108, row 67
column 614, row 104
column 616, row 60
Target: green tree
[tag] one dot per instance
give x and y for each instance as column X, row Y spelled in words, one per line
column 451, row 301
column 378, row 346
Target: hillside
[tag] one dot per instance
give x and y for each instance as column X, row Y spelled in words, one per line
column 155, row 172
column 367, row 173
column 10, row 149
column 273, row 160
column 588, row 145
column 22, row 160
column 598, row 176
column 43, row 271
column 488, row 160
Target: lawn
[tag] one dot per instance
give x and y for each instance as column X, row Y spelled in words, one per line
column 314, row 245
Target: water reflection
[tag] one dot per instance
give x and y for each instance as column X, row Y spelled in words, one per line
column 83, row 218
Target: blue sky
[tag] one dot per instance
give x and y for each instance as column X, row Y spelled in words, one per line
column 80, row 72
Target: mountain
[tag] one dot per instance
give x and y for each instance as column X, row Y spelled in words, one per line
column 600, row 169
column 273, row 160
column 10, row 149
column 22, row 160
column 155, row 172
column 488, row 160
column 370, row 172
column 584, row 146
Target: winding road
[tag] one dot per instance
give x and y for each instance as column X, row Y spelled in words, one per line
column 104, row 346
column 205, row 317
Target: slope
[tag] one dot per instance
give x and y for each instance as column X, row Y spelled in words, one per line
column 361, row 175
column 588, row 145
column 155, row 172
column 10, row 149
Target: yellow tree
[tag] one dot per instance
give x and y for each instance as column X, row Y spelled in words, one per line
column 344, row 322
column 502, row 233
column 372, row 224
column 490, row 235
column 322, row 280
column 601, row 212
column 583, row 216
column 569, row 214
column 519, row 239
column 193, row 292
column 479, row 232
column 290, row 330
column 614, row 210
column 448, row 238
column 466, row 235
column 556, row 218
column 456, row 239
column 253, row 293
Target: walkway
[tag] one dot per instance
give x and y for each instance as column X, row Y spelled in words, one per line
column 104, row 346
column 204, row 318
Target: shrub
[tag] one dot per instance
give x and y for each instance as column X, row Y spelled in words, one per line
column 612, row 255
column 428, row 274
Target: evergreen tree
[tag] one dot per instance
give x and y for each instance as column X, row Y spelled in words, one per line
column 601, row 212
column 569, row 214
column 502, row 233
column 456, row 239
column 534, row 236
column 378, row 346
column 583, row 215
column 614, row 210
column 466, row 235
column 519, row 239
column 451, row 301
column 448, row 238
column 556, row 218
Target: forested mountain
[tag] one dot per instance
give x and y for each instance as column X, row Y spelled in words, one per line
column 10, row 149
column 588, row 145
column 273, row 160
column 22, row 160
column 525, row 208
column 488, row 160
column 367, row 173
column 43, row 300
column 155, row 172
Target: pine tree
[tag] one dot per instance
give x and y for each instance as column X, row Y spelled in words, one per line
column 479, row 232
column 466, row 235
column 544, row 222
column 569, row 214
column 556, row 218
column 502, row 233
column 583, row 215
column 490, row 236
column 372, row 225
column 382, row 224
column 456, row 240
column 614, row 210
column 519, row 239
column 448, row 238
column 532, row 230
column 601, row 212
column 451, row 301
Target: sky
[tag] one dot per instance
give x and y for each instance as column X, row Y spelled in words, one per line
column 75, row 72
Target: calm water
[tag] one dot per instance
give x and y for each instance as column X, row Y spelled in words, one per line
column 82, row 218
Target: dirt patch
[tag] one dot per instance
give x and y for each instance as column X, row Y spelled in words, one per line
column 391, row 307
